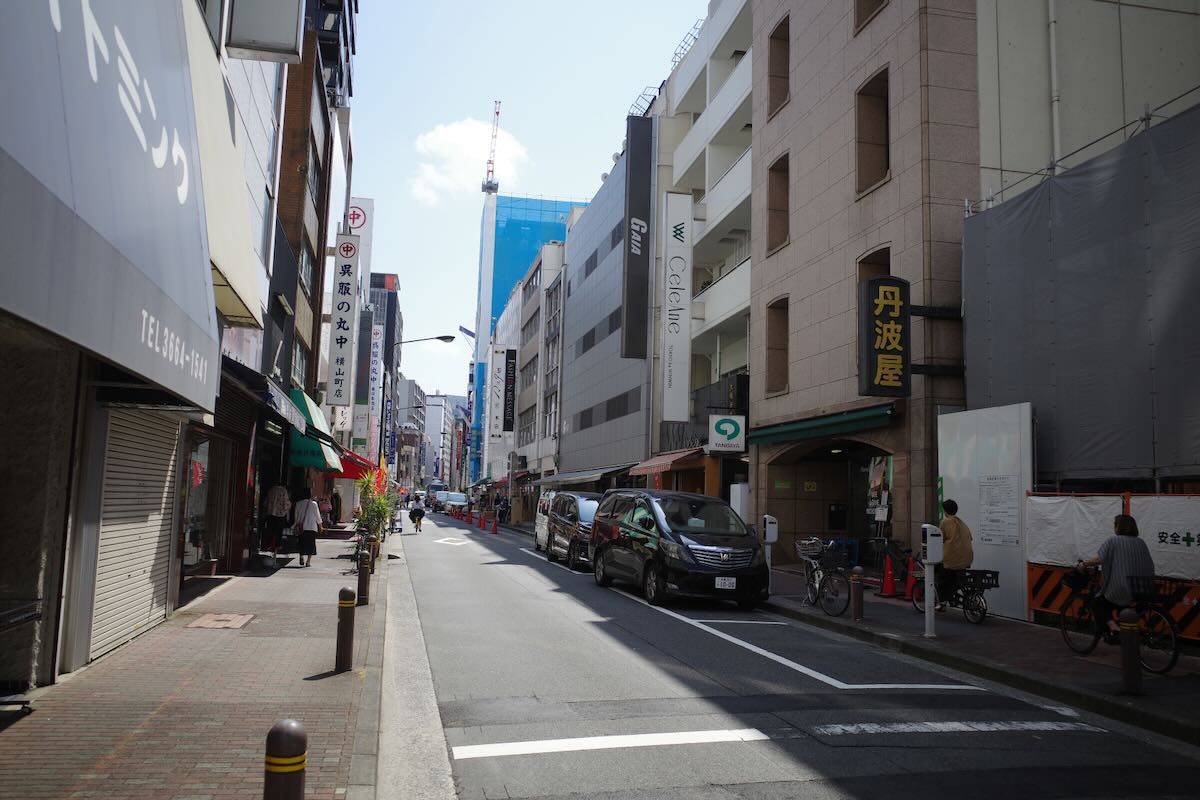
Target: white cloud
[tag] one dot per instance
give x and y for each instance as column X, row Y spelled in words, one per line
column 454, row 160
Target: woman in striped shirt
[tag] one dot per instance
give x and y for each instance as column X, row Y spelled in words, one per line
column 1121, row 557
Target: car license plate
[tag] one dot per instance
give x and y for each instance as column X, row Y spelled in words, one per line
column 726, row 583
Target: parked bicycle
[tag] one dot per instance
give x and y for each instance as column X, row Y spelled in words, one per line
column 824, row 569
column 1082, row 630
column 970, row 584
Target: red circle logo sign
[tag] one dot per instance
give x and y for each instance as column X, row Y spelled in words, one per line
column 357, row 217
column 347, row 249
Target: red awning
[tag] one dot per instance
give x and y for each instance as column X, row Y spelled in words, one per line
column 663, row 461
column 354, row 466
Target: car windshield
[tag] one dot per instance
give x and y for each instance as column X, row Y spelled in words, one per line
column 699, row 515
column 587, row 509
column 456, row 497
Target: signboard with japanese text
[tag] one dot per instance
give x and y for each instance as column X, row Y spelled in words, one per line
column 105, row 227
column 884, row 366
column 510, row 390
column 677, row 308
column 1170, row 526
column 375, row 396
column 343, row 321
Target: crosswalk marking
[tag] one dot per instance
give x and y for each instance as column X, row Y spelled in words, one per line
column 606, row 743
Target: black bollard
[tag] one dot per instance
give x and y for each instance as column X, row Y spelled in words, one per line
column 374, row 554
column 344, row 660
column 286, row 762
column 364, row 576
column 1131, row 657
column 856, row 594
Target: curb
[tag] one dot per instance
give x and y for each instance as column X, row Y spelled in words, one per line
column 1088, row 701
column 364, row 759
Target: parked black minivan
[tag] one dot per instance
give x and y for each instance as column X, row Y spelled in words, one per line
column 570, row 526
column 677, row 543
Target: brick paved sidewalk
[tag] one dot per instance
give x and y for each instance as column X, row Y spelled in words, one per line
column 183, row 712
column 1030, row 657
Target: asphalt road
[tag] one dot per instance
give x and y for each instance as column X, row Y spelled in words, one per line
column 549, row 686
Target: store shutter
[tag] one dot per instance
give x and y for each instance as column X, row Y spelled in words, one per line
column 235, row 411
column 136, row 526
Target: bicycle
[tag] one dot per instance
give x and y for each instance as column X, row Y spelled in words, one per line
column 824, row 570
column 1083, row 631
column 970, row 584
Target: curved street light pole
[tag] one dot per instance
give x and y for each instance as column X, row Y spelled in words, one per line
column 446, row 338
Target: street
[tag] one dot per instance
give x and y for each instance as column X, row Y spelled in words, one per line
column 549, row 686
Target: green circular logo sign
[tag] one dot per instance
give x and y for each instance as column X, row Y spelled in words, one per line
column 728, row 427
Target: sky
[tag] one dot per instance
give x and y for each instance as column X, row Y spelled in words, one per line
column 426, row 76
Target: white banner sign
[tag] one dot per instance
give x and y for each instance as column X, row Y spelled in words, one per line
column 495, row 394
column 375, row 397
column 677, row 307
column 358, row 431
column 343, row 322
column 1170, row 526
column 1062, row 530
column 361, row 216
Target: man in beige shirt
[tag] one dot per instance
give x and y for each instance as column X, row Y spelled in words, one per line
column 957, row 553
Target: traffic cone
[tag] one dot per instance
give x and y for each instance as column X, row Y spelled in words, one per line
column 889, row 580
column 910, row 581
column 496, row 523
column 481, row 521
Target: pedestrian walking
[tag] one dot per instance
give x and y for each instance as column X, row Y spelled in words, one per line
column 307, row 518
column 957, row 552
column 276, row 519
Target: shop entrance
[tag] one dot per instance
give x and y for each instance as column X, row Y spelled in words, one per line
column 838, row 490
column 207, row 503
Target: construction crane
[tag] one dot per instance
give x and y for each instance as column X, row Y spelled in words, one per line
column 490, row 186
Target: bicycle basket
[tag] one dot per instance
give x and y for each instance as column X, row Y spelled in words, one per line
column 834, row 559
column 809, row 548
column 980, row 579
column 1145, row 589
column 1076, row 580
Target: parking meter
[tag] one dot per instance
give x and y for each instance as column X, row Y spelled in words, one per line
column 931, row 535
column 770, row 529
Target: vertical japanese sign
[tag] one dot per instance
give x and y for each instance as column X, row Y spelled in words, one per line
column 495, row 397
column 639, row 167
column 677, row 307
column 343, row 321
column 510, row 390
column 376, row 387
column 884, row 366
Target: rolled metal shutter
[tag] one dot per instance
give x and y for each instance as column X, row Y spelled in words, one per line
column 235, row 412
column 136, row 525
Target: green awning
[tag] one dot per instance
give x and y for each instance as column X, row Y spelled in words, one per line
column 312, row 448
column 479, row 483
column 860, row 419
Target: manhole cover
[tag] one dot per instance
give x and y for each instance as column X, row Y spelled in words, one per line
column 221, row 621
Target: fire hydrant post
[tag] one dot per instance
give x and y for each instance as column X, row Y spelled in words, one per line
column 344, row 659
column 856, row 594
column 1131, row 656
column 364, row 577
column 286, row 761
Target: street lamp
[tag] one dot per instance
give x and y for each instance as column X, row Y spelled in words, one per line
column 445, row 338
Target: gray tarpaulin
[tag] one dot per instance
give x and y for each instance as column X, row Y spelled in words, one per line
column 1082, row 296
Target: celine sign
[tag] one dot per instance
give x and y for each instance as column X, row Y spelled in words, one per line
column 639, row 141
column 677, row 307
column 884, row 354
column 343, row 321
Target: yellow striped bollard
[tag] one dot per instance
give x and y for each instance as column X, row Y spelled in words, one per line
column 286, row 762
column 344, row 659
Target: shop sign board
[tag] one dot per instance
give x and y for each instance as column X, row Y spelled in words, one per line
column 726, row 433
column 495, row 397
column 639, row 168
column 343, row 321
column 510, row 390
column 884, row 354
column 677, row 307
column 375, row 389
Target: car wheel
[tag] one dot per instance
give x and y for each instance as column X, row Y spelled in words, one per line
column 551, row 556
column 598, row 572
column 652, row 588
column 537, row 545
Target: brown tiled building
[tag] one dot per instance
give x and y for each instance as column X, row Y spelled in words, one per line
column 865, row 144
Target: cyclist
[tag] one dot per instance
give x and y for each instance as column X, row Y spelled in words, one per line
column 1121, row 557
column 957, row 552
column 417, row 514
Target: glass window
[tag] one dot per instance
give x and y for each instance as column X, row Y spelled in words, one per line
column 640, row 517
column 299, row 363
column 587, row 509
column 306, row 269
column 688, row 515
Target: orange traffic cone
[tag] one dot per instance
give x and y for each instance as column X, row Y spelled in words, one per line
column 910, row 582
column 496, row 523
column 481, row 521
column 889, row 580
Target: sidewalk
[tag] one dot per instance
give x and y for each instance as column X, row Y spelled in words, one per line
column 183, row 712
column 1029, row 657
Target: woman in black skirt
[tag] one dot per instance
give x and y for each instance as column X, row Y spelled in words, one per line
column 307, row 515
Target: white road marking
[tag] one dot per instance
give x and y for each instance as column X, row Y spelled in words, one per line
column 742, row 622
column 985, row 726
column 551, row 563
column 606, row 743
column 450, row 541
column 1064, row 710
column 803, row 670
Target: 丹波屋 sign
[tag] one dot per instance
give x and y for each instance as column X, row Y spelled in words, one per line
column 884, row 355
column 726, row 433
column 343, row 321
